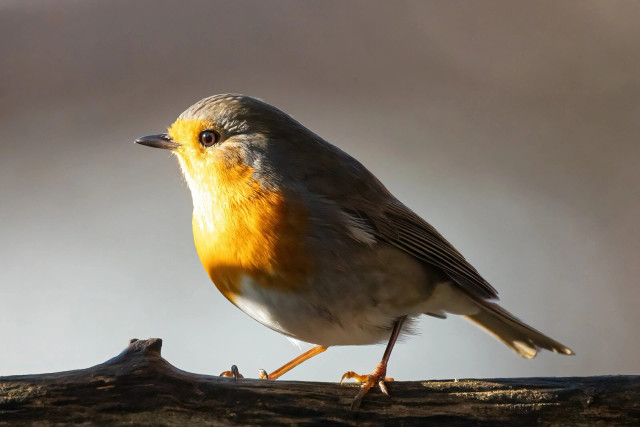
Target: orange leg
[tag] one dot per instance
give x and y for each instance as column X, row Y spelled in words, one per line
column 295, row 362
column 378, row 374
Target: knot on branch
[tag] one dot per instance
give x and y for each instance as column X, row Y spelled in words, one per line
column 151, row 346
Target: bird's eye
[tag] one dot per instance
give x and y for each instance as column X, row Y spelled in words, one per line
column 209, row 137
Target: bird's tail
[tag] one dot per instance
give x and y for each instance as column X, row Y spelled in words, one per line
column 522, row 338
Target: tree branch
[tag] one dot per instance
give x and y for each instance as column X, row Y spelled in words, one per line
column 139, row 386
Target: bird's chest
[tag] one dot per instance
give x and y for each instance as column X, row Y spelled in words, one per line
column 249, row 231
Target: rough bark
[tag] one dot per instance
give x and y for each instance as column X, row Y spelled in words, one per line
column 138, row 386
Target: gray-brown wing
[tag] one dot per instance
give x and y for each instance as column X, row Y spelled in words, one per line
column 358, row 192
column 401, row 227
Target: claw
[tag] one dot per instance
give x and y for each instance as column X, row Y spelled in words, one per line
column 233, row 372
column 262, row 374
column 352, row 375
column 383, row 387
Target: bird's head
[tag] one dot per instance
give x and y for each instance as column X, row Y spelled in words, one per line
column 223, row 138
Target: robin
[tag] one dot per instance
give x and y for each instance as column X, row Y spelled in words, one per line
column 304, row 239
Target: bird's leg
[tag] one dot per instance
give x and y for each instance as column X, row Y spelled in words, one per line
column 378, row 374
column 233, row 372
column 292, row 364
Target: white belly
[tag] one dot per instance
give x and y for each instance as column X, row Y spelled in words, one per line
column 345, row 323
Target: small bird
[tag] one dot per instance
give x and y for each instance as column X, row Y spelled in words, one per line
column 304, row 239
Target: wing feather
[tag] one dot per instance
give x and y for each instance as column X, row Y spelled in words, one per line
column 361, row 195
column 401, row 227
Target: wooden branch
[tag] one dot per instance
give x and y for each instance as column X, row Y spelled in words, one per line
column 138, row 386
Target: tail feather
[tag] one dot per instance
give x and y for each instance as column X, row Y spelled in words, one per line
column 522, row 338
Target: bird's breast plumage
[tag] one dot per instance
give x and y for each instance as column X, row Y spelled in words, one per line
column 243, row 229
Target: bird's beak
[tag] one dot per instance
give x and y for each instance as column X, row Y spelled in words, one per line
column 158, row 141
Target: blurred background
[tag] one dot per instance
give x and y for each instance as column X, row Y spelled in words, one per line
column 512, row 127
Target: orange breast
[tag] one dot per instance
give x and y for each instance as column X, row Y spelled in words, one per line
column 241, row 228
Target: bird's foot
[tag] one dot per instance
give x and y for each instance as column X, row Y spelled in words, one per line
column 359, row 378
column 368, row 381
column 233, row 372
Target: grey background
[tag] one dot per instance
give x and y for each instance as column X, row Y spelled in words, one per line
column 511, row 126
